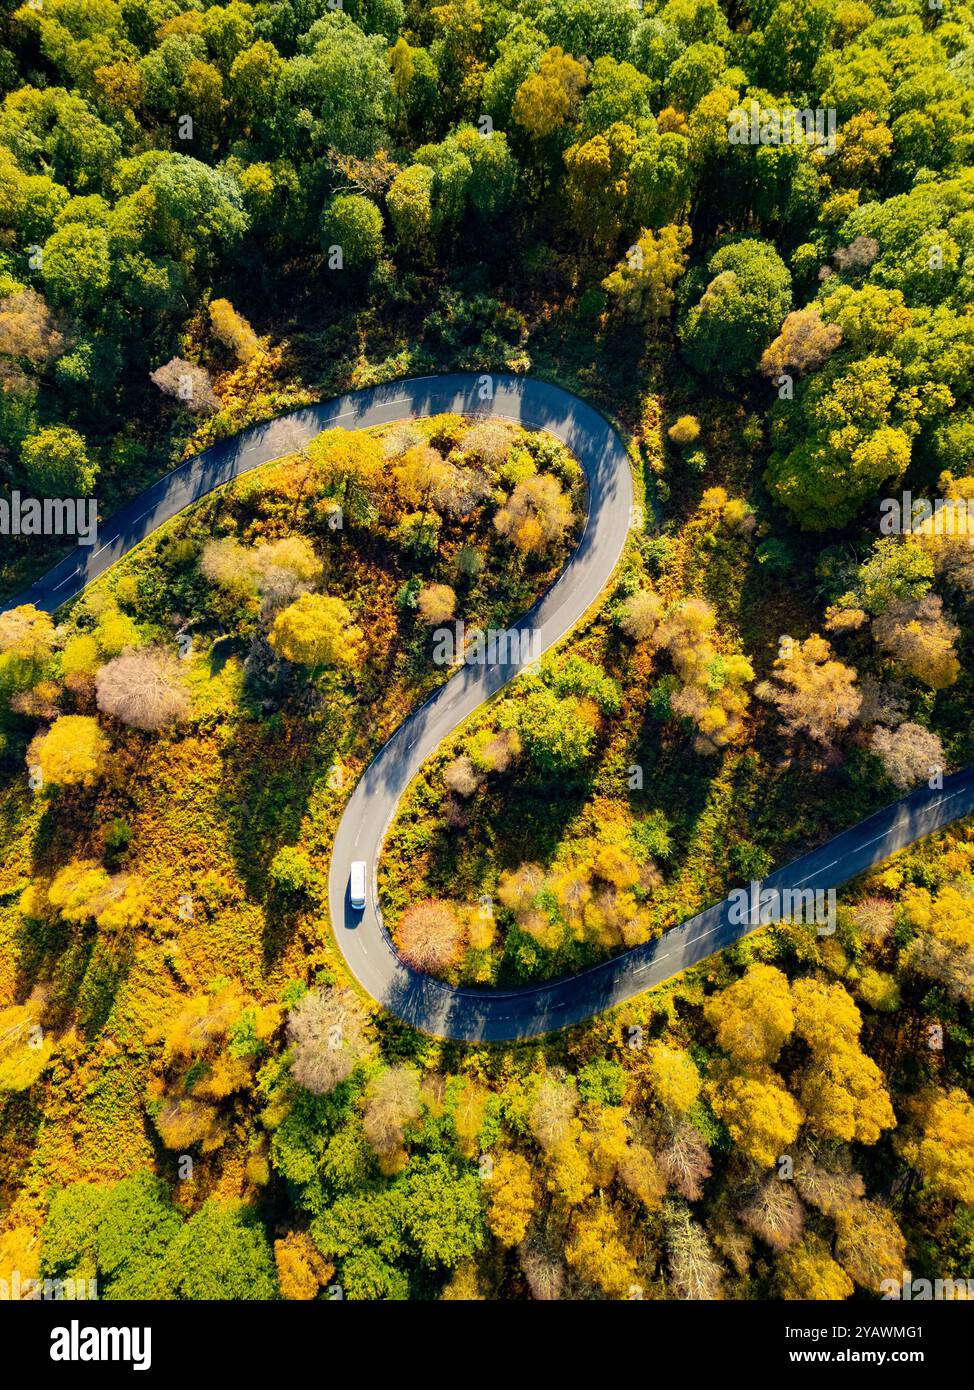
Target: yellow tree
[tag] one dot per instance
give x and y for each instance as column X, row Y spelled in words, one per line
column 570, row 1175
column 513, row 1198
column 25, row 1049
column 844, row 1097
column 639, row 614
column 548, row 98
column 27, row 634
column 825, row 1014
column 944, row 1148
column 842, row 1089
column 349, row 465
column 402, row 67
column 761, row 1117
column 27, row 642
column 597, row 1251
column 84, row 892
column 201, row 1069
column 468, row 1116
column 754, row 1016
column 674, row 1078
column 597, row 183
column 606, row 1139
column 301, row 1268
column 642, row 283
column 803, row 344
column 713, row 695
column 808, row 1271
column 943, row 948
column 422, row 476
column 869, row 1244
column 72, row 753
column 233, row 330
column 317, row 630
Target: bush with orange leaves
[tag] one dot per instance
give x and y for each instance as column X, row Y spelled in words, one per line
column 814, row 693
column 430, row 936
column 536, row 515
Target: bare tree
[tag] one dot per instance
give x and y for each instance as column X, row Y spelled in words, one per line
column 188, row 384
column 498, row 752
column 774, row 1214
column 553, row 1109
column 882, row 702
column 461, row 777
column 815, row 694
column 909, row 754
column 326, row 1033
column 695, row 1271
column 519, row 887
column 804, row 343
column 827, row 1190
column 858, row 255
column 684, row 1161
column 640, row 1173
column 436, row 603
column 874, row 918
column 639, row 614
column 392, row 1101
column 489, row 440
column 536, row 515
column 28, row 336
column 400, row 439
column 143, row 688
column 430, row 937
column 543, row 1269
column 919, row 637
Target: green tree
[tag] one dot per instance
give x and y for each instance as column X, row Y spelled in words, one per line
column 557, row 735
column 77, row 267
column 222, row 1253
column 851, row 429
column 748, row 293
column 354, row 224
column 200, row 209
column 444, row 1210
column 57, row 464
column 118, row 1235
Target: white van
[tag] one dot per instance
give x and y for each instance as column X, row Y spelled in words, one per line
column 357, row 884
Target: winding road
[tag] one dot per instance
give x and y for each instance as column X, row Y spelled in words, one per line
column 468, row 1015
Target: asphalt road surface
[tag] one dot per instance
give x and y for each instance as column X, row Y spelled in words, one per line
column 465, row 1014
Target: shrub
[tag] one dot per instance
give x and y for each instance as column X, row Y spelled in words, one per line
column 685, row 431
column 291, row 871
column 430, row 936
